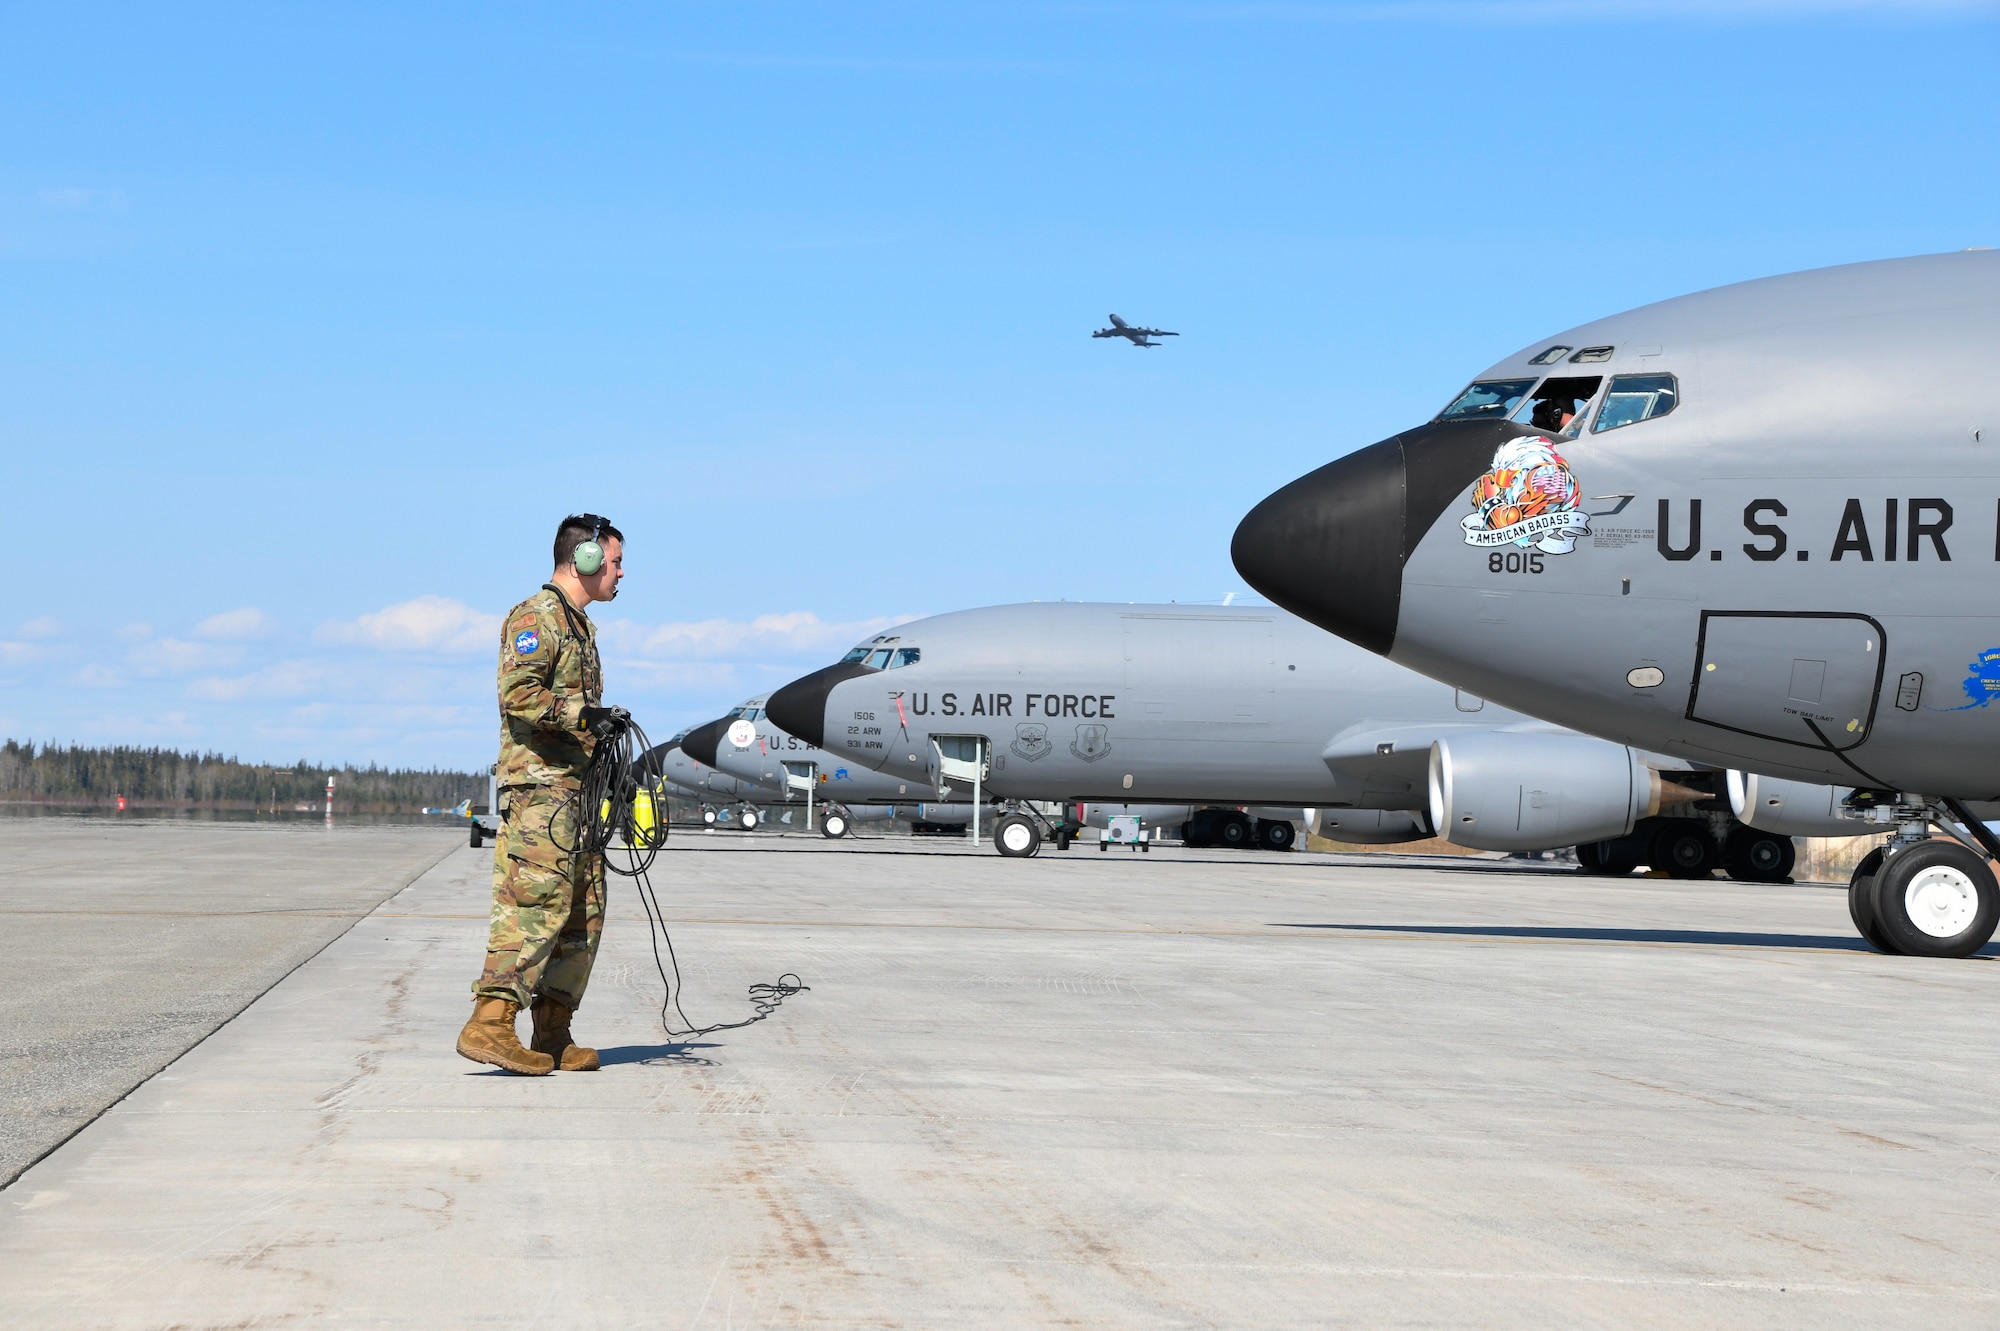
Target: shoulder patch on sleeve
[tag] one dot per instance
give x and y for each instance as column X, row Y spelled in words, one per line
column 527, row 642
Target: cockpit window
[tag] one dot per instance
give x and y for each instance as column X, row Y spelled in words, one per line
column 1634, row 398
column 857, row 654
column 1551, row 356
column 906, row 656
column 879, row 659
column 754, row 714
column 738, row 713
column 1491, row 397
column 1558, row 405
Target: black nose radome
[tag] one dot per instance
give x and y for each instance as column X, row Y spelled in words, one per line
column 652, row 764
column 799, row 708
column 1330, row 547
column 699, row 743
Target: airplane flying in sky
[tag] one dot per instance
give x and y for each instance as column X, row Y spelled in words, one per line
column 1248, row 705
column 1755, row 527
column 1136, row 336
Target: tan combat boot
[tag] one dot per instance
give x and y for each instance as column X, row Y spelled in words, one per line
column 490, row 1038
column 551, row 1037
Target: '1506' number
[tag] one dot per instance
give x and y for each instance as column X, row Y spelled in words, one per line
column 1514, row 561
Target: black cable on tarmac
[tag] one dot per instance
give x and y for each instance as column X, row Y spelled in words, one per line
column 604, row 813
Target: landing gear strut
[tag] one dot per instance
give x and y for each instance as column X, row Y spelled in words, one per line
column 1920, row 897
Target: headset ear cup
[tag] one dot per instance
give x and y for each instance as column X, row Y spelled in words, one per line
column 589, row 558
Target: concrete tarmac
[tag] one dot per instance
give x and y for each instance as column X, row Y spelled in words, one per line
column 1164, row 1090
column 144, row 935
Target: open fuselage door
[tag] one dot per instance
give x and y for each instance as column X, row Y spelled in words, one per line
column 801, row 780
column 964, row 762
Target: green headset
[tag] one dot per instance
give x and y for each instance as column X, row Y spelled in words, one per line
column 588, row 557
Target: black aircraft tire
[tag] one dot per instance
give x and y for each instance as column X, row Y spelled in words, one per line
column 747, row 820
column 477, row 831
column 1936, row 899
column 1759, row 857
column 1275, row 834
column 1684, row 850
column 833, row 826
column 1861, row 901
column 1233, row 832
column 1016, row 836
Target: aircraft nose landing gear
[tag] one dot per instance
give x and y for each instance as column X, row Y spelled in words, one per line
column 1936, row 899
column 1924, row 897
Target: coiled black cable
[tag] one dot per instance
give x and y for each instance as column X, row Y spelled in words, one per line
column 604, row 812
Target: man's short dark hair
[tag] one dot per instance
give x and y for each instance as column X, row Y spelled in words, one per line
column 578, row 528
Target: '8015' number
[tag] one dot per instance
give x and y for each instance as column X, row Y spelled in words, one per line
column 1514, row 561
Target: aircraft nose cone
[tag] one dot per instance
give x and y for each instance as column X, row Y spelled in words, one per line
column 1331, row 546
column 799, row 708
column 699, row 743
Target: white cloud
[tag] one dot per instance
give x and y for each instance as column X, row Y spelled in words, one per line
column 43, row 626
column 136, row 632
column 177, row 656
column 236, row 625
column 282, row 679
column 795, row 634
column 20, row 653
column 435, row 624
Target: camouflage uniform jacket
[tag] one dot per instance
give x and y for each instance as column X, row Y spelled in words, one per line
column 549, row 673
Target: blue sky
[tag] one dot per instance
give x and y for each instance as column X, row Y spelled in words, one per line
column 314, row 319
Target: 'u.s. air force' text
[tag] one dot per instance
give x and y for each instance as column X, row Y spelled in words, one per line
column 1045, row 706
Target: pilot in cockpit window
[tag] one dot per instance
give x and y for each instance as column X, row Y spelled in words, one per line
column 1557, row 407
column 1553, row 414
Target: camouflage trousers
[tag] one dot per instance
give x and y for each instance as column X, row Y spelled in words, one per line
column 548, row 906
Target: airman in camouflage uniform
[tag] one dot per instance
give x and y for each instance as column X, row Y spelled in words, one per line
column 548, row 900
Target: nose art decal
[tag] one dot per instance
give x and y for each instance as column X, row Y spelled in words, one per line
column 1527, row 497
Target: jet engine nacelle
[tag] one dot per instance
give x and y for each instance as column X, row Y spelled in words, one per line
column 1525, row 790
column 1369, row 827
column 1792, row 808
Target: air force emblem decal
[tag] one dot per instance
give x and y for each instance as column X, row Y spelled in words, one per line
column 1091, row 742
column 1031, row 741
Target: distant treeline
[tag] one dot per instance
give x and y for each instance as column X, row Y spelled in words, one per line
column 163, row 778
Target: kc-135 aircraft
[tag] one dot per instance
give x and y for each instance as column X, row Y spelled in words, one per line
column 1136, row 336
column 1756, row 527
column 1186, row 704
column 746, row 745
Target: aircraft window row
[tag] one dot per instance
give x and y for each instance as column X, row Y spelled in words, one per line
column 884, row 658
column 1634, row 398
column 1551, row 356
column 1488, row 399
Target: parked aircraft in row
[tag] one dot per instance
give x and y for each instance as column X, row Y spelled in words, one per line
column 1222, row 705
column 1751, row 528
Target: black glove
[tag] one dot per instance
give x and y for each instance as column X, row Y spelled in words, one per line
column 606, row 722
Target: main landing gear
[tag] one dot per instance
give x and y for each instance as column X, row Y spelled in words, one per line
column 1237, row 830
column 833, row 823
column 1689, row 848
